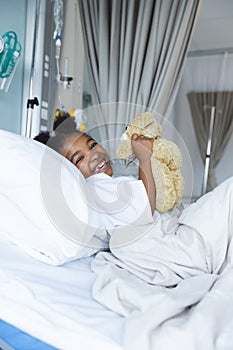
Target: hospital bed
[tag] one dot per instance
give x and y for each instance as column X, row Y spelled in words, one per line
column 67, row 294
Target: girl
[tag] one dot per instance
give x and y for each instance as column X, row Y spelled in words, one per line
column 91, row 158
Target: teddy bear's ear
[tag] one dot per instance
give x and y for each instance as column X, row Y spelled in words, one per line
column 124, row 150
column 144, row 124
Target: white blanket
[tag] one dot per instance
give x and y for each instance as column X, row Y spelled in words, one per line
column 175, row 288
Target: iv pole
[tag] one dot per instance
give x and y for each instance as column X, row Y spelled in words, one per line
column 32, row 101
column 208, row 150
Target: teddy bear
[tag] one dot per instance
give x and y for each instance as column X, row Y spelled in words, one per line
column 166, row 160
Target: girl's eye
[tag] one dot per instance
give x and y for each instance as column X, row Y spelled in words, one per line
column 78, row 160
column 93, row 145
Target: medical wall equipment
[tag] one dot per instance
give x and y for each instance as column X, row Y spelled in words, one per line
column 10, row 53
column 64, row 79
column 32, row 100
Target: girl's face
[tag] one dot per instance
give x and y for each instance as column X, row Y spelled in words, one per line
column 87, row 155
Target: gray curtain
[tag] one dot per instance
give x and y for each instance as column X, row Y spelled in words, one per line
column 135, row 49
column 200, row 105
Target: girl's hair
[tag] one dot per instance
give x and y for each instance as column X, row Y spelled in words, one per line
column 58, row 140
column 64, row 126
column 42, row 137
column 63, row 122
column 61, row 118
column 63, row 130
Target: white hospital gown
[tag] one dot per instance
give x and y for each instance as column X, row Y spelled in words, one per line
column 120, row 201
column 165, row 248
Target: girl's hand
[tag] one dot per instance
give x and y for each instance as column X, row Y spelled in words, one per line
column 142, row 147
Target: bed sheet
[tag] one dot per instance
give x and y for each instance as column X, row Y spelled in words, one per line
column 55, row 304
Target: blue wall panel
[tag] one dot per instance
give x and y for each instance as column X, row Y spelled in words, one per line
column 13, row 17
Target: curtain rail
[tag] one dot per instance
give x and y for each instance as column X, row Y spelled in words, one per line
column 210, row 52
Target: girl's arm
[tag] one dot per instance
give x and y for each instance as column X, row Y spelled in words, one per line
column 142, row 148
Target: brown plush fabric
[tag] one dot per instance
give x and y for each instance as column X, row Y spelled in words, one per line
column 166, row 160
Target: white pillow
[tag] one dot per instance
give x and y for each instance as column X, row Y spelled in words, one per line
column 43, row 203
